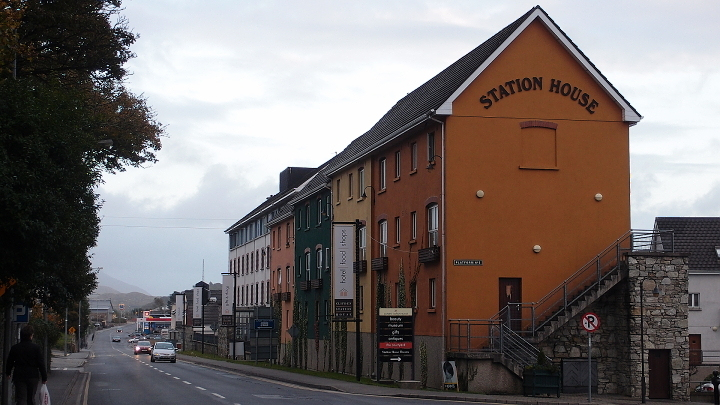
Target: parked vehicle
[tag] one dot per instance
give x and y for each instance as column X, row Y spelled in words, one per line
column 163, row 351
column 705, row 387
column 116, row 338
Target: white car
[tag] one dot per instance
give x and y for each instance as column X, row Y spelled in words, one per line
column 133, row 340
column 163, row 351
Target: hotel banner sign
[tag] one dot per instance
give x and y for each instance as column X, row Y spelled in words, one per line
column 227, row 294
column 197, row 302
column 342, row 272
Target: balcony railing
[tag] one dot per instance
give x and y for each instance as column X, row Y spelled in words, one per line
column 316, row 284
column 304, row 285
column 379, row 264
column 429, row 255
column 360, row 267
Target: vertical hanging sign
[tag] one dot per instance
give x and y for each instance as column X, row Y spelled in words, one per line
column 179, row 308
column 342, row 274
column 228, row 284
column 197, row 305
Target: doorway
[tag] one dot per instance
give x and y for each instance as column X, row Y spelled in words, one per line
column 696, row 350
column 511, row 293
column 660, row 374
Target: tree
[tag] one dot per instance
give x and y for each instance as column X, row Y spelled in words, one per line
column 61, row 93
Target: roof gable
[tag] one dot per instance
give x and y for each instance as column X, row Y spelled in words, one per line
column 437, row 94
column 537, row 13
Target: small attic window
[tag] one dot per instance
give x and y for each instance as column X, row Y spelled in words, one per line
column 717, row 250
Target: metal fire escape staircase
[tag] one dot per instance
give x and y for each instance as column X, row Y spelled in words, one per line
column 511, row 336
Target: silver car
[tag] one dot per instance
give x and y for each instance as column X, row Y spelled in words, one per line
column 163, row 351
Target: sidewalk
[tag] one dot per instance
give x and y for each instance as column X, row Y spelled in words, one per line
column 356, row 388
column 68, row 382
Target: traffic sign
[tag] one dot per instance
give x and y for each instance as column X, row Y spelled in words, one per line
column 264, row 324
column 71, row 330
column 590, row 322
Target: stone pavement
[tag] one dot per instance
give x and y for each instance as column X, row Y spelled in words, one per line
column 68, row 384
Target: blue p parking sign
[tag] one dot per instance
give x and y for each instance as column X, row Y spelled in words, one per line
column 21, row 314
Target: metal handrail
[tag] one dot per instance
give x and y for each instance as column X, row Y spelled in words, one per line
column 527, row 319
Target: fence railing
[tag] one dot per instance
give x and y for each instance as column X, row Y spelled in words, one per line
column 526, row 319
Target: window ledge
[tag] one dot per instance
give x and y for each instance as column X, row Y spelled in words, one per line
column 396, row 179
column 412, row 241
column 431, row 311
column 539, row 168
column 382, row 191
column 350, row 198
column 413, row 172
column 694, row 308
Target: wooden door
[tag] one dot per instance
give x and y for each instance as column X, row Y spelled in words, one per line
column 659, row 374
column 695, row 350
column 511, row 293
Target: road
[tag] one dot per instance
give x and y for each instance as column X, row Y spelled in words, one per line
column 118, row 377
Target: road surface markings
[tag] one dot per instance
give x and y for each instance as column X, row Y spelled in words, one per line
column 218, row 395
column 177, row 378
column 200, row 388
column 187, row 382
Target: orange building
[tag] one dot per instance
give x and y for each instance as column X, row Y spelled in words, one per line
column 490, row 184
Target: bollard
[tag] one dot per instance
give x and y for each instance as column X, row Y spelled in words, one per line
column 715, row 383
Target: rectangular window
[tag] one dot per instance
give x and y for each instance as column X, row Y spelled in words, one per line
column 431, row 298
column 413, row 295
column 413, row 157
column 413, row 225
column 694, row 300
column 327, row 258
column 397, row 230
column 397, row 165
column 287, row 234
column 319, row 211
column 362, row 243
column 361, row 181
column 307, row 266
column 431, row 146
column 382, row 173
column 307, row 216
column 361, row 297
column 383, row 237
column 328, row 208
column 337, row 190
column 433, row 225
column 319, row 262
column 287, row 277
column 350, row 186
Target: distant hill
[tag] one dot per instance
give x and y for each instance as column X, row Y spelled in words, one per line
column 131, row 300
column 107, row 281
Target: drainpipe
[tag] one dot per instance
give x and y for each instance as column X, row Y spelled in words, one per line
column 443, row 312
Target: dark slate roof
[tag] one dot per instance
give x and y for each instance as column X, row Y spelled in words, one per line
column 698, row 237
column 422, row 102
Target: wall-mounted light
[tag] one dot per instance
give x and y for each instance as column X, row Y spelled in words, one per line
column 714, row 328
column 480, row 194
column 598, row 197
column 537, row 248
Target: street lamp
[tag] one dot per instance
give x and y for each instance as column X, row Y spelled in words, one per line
column 655, row 292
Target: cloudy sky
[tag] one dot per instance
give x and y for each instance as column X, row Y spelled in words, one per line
column 249, row 88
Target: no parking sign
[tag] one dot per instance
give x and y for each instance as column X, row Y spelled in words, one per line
column 590, row 322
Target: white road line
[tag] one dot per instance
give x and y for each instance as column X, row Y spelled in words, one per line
column 218, row 395
column 200, row 388
column 168, row 374
column 187, row 382
column 177, row 378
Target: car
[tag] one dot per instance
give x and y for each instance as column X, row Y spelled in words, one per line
column 706, row 387
column 143, row 346
column 133, row 340
column 163, row 351
column 116, row 338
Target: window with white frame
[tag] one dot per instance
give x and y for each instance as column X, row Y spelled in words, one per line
column 413, row 157
column 337, row 190
column 362, row 242
column 307, row 266
column 382, row 173
column 307, row 216
column 361, row 181
column 350, row 186
column 432, row 296
column 397, row 165
column 432, row 218
column 319, row 262
column 413, row 225
column 383, row 237
column 327, row 258
column 319, row 211
column 431, row 146
column 694, row 300
column 397, row 230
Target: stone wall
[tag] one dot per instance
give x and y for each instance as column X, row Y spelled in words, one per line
column 665, row 321
column 616, row 345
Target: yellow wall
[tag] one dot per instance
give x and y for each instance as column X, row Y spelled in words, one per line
column 521, row 208
column 348, row 209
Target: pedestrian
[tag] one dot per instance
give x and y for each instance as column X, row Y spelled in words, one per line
column 27, row 359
